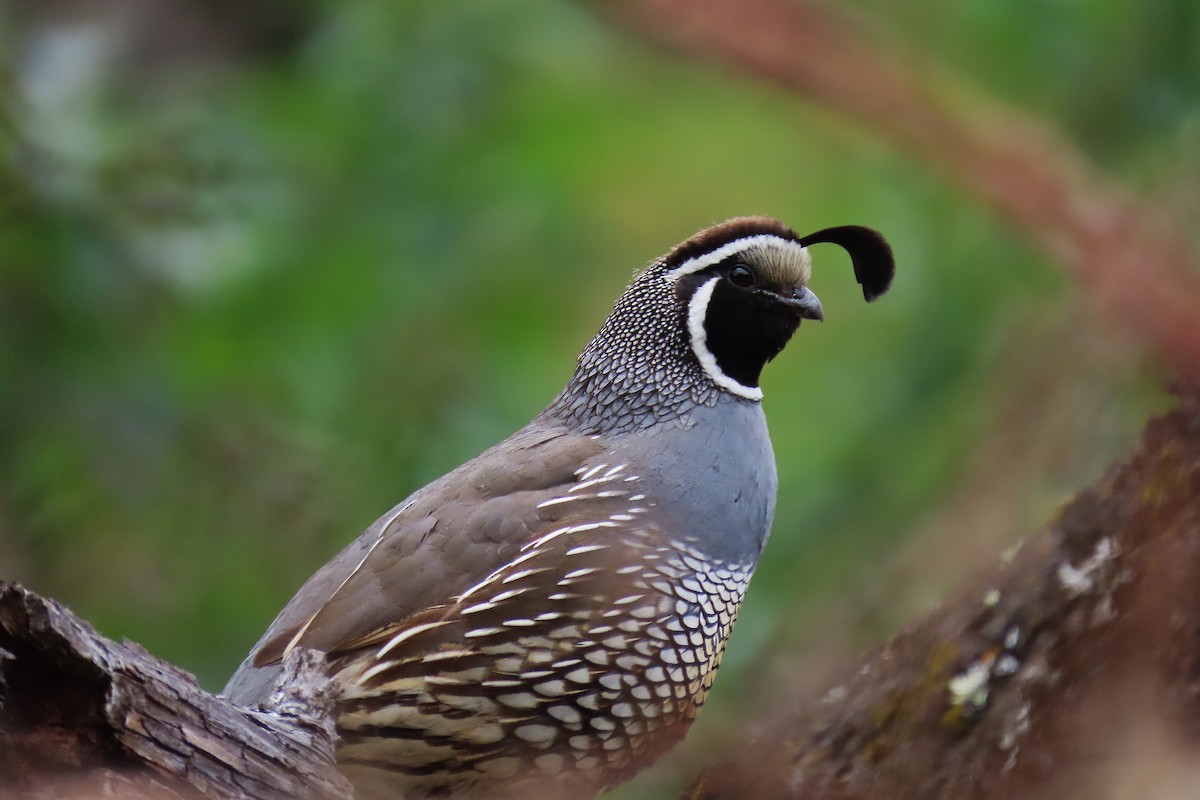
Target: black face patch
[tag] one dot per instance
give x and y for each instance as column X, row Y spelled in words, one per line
column 746, row 328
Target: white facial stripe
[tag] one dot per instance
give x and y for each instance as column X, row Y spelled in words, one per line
column 723, row 252
column 697, row 309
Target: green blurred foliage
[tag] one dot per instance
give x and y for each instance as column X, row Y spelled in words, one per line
column 252, row 293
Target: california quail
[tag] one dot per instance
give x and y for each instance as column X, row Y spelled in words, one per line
column 546, row 620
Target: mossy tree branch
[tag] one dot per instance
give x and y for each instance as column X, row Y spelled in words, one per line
column 1037, row 678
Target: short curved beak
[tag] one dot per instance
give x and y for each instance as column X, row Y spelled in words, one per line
column 804, row 303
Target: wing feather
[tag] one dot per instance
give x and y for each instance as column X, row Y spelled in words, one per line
column 427, row 550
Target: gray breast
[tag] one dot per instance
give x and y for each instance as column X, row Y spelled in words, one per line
column 711, row 476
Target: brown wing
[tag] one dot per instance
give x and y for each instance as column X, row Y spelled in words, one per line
column 584, row 657
column 429, row 549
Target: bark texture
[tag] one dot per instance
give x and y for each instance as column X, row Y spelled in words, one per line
column 82, row 716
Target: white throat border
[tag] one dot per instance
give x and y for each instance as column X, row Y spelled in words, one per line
column 697, row 310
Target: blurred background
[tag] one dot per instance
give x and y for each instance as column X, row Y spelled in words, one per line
column 266, row 267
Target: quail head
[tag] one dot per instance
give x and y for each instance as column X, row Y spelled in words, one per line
column 547, row 619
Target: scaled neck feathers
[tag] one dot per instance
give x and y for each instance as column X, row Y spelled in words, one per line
column 640, row 369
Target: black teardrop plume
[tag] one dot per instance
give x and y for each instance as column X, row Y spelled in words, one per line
column 874, row 265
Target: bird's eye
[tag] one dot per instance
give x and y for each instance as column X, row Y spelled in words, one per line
column 741, row 276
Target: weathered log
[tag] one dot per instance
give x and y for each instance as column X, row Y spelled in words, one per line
column 84, row 716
